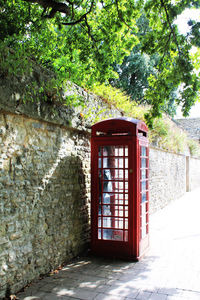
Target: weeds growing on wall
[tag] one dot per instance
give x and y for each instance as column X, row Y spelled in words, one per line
column 164, row 133
column 114, row 96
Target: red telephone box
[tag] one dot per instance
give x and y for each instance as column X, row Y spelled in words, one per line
column 119, row 188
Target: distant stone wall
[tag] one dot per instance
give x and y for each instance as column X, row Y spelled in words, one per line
column 194, row 173
column 167, row 177
column 191, row 126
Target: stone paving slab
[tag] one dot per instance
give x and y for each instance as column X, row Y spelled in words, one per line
column 170, row 271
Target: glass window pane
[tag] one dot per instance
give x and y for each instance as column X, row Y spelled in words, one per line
column 143, row 151
column 106, row 198
column 126, row 163
column 126, row 223
column 126, row 151
column 121, row 196
column 143, row 208
column 121, row 151
column 143, row 197
column 126, row 199
column 119, row 163
column 106, row 210
column 118, row 235
column 107, row 222
column 143, row 162
column 119, row 223
column 143, row 232
column 121, row 213
column 121, row 185
column 143, row 223
column 106, row 174
column 99, row 165
column 121, row 199
column 107, row 234
column 105, row 162
column 143, row 174
column 116, row 151
column 143, row 186
column 108, row 151
column 107, row 186
column 119, row 174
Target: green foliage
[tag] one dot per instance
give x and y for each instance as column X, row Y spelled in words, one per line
column 194, row 32
column 82, row 52
column 82, row 40
column 163, row 133
column 13, row 63
column 35, row 84
column 115, row 97
column 133, row 74
column 175, row 69
column 166, row 135
column 194, row 147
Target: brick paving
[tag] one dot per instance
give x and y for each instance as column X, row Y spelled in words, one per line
column 170, row 270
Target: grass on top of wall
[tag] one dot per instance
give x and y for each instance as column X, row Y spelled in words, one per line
column 165, row 133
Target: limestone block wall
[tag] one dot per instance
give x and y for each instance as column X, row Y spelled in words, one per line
column 167, row 173
column 194, row 173
column 45, row 184
column 44, row 198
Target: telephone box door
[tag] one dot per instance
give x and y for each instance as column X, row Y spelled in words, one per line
column 112, row 207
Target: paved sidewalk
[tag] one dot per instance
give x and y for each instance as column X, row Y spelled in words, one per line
column 171, row 270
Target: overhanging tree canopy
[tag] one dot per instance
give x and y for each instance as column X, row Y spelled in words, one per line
column 82, row 39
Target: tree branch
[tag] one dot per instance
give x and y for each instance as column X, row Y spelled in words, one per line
column 120, row 15
column 171, row 27
column 82, row 17
column 89, row 30
column 54, row 6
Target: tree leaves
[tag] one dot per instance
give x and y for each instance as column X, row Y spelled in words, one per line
column 83, row 39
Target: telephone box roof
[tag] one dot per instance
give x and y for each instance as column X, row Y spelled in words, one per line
column 119, row 125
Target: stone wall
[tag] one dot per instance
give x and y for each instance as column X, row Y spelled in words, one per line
column 167, row 173
column 194, row 173
column 45, row 198
column 45, row 184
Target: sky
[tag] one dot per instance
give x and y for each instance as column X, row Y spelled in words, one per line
column 183, row 28
column 188, row 14
column 194, row 112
